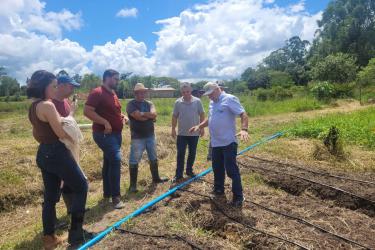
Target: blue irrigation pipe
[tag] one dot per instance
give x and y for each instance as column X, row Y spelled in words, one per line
column 117, row 224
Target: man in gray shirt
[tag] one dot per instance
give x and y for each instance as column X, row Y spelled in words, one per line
column 188, row 112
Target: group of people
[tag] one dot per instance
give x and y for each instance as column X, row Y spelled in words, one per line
column 59, row 166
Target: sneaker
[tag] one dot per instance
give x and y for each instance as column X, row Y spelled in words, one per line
column 117, row 203
column 191, row 174
column 237, row 202
column 51, row 241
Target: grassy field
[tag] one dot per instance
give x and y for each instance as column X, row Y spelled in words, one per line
column 355, row 128
column 21, row 184
column 165, row 107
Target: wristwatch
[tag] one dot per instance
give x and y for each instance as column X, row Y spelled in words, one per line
column 244, row 129
column 142, row 113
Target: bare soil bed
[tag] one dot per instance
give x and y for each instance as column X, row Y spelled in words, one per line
column 210, row 223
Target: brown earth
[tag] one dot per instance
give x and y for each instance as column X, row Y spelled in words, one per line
column 225, row 233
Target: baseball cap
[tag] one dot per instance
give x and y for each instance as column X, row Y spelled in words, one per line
column 210, row 87
column 66, row 79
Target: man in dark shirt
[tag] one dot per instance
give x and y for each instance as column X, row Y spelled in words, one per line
column 104, row 109
column 142, row 115
column 65, row 88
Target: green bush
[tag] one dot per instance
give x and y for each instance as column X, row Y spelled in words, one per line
column 261, row 94
column 277, row 93
column 279, row 78
column 323, row 91
column 344, row 90
column 338, row 68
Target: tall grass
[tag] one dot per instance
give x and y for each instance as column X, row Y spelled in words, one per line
column 164, row 107
column 258, row 108
column 355, row 128
column 14, row 106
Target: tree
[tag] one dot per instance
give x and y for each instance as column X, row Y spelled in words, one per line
column 125, row 76
column 77, row 78
column 339, row 68
column 2, row 71
column 8, row 86
column 291, row 58
column 258, row 78
column 366, row 76
column 90, row 81
column 279, row 78
column 347, row 26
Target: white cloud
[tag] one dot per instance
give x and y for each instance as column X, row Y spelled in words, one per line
column 30, row 39
column 124, row 55
column 222, row 38
column 25, row 55
column 25, row 16
column 133, row 12
column 298, row 7
column 219, row 39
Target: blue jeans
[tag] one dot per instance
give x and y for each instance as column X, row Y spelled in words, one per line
column 57, row 163
column 182, row 143
column 138, row 146
column 224, row 159
column 110, row 144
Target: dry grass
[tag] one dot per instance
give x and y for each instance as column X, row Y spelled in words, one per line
column 21, row 186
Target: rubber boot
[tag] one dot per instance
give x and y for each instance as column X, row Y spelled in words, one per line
column 155, row 173
column 133, row 171
column 77, row 235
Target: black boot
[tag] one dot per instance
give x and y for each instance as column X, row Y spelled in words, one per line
column 77, row 235
column 155, row 173
column 133, row 171
column 68, row 200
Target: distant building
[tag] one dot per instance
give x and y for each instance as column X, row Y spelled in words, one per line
column 165, row 92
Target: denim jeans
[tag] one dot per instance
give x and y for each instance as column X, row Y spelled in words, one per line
column 138, row 146
column 182, row 142
column 224, row 159
column 110, row 144
column 57, row 163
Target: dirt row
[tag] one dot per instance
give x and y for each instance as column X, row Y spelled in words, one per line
column 350, row 194
column 201, row 220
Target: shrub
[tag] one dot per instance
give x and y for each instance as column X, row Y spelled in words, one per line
column 337, row 68
column 323, row 91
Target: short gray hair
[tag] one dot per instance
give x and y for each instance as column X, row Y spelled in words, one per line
column 185, row 85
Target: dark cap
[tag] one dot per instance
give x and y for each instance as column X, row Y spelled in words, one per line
column 66, row 79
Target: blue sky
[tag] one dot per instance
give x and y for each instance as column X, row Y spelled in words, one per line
column 186, row 39
column 102, row 25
